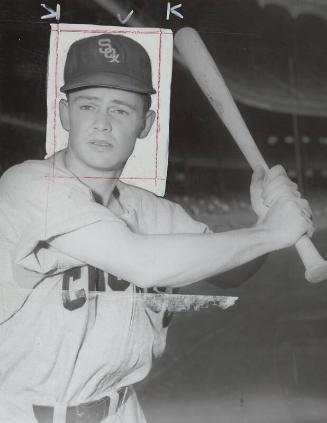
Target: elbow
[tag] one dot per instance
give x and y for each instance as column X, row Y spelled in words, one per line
column 142, row 263
column 146, row 278
column 143, row 268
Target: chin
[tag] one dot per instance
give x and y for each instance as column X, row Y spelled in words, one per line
column 105, row 166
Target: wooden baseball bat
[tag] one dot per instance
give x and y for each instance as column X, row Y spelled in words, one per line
column 204, row 70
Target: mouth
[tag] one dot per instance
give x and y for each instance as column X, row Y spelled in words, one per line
column 101, row 143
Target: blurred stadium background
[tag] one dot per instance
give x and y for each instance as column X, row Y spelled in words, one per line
column 264, row 360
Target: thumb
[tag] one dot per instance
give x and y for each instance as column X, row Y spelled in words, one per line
column 258, row 175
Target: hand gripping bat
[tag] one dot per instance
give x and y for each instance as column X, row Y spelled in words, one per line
column 199, row 61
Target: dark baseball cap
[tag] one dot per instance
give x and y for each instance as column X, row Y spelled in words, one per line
column 108, row 60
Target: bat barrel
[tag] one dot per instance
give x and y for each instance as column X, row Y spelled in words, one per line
column 199, row 61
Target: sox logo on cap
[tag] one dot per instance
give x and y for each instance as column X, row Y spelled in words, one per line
column 108, row 51
column 112, row 61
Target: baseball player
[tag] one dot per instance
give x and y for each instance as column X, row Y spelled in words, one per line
column 76, row 250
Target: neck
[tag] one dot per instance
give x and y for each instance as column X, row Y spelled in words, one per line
column 101, row 182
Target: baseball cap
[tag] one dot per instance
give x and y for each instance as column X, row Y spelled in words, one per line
column 108, row 60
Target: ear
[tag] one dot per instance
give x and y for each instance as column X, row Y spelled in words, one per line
column 148, row 122
column 64, row 114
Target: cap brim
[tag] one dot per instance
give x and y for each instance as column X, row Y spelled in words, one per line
column 109, row 80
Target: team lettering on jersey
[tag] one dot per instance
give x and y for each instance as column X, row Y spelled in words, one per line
column 98, row 281
column 74, row 299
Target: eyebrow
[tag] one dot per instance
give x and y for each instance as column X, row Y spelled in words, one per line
column 95, row 98
column 85, row 97
column 124, row 103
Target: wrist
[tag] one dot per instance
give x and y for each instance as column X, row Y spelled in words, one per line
column 271, row 238
column 259, row 220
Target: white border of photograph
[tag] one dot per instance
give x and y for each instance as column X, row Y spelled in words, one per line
column 147, row 167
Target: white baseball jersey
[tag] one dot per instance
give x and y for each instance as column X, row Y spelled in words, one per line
column 77, row 335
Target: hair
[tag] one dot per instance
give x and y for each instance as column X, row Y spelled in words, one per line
column 147, row 101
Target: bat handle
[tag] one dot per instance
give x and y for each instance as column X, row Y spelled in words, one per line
column 315, row 265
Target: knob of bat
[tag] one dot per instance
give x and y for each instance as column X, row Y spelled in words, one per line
column 317, row 273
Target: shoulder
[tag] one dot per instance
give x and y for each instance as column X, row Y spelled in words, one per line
column 39, row 179
column 24, row 174
column 131, row 192
column 163, row 215
column 29, row 168
column 141, row 198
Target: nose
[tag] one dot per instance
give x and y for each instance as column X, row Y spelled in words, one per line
column 102, row 122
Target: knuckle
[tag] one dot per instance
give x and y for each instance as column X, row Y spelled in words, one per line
column 294, row 185
column 266, row 179
column 284, row 184
column 284, row 179
column 279, row 169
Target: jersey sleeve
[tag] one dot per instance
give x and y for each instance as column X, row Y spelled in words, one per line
column 160, row 216
column 171, row 218
column 39, row 207
column 174, row 217
column 182, row 222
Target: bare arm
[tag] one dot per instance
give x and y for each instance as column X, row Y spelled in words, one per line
column 177, row 260
column 236, row 276
column 162, row 260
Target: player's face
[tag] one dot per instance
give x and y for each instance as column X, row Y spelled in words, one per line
column 103, row 125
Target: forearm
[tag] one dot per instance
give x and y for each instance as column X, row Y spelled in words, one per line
column 235, row 277
column 163, row 260
column 179, row 260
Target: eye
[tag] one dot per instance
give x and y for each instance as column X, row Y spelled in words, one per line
column 121, row 112
column 86, row 107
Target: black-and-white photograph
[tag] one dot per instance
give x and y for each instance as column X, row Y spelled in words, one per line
column 162, row 211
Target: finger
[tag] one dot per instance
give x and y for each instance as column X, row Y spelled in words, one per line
column 258, row 175
column 279, row 189
column 274, row 172
column 306, row 213
column 311, row 231
column 305, row 206
column 284, row 178
column 299, row 206
column 307, row 223
column 277, row 185
column 281, row 179
column 268, row 181
column 310, row 227
column 283, row 192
